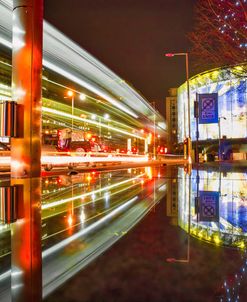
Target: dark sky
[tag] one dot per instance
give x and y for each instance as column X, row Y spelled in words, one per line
column 130, row 37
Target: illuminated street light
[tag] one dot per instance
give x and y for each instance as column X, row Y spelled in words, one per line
column 169, row 55
column 71, row 94
column 106, row 116
column 82, row 97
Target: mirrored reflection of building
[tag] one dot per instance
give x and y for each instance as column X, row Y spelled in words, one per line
column 218, row 212
column 172, row 195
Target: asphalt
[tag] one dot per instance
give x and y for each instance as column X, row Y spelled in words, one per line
column 135, row 269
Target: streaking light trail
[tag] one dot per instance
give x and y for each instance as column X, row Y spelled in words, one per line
column 88, row 229
column 62, row 201
column 64, row 114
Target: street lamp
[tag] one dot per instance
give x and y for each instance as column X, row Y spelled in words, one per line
column 71, row 95
column 219, row 127
column 154, row 145
column 82, row 97
column 188, row 94
column 187, row 259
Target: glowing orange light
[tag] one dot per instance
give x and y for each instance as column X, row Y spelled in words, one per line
column 70, row 220
column 89, row 135
column 70, row 93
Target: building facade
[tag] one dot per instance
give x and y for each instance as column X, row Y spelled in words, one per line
column 230, row 86
column 172, row 119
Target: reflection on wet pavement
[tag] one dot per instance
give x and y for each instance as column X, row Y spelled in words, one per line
column 197, row 231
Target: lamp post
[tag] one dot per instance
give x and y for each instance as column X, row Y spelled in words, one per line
column 71, row 94
column 188, row 95
column 154, row 145
column 219, row 127
column 187, row 259
column 82, row 97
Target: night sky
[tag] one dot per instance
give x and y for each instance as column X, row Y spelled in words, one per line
column 130, row 37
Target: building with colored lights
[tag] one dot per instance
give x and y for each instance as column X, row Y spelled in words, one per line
column 232, row 110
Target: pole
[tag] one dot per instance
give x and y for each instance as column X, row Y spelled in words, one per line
column 154, row 150
column 196, row 109
column 100, row 129
column 189, row 221
column 72, row 119
column 219, row 151
column 26, row 260
column 188, row 99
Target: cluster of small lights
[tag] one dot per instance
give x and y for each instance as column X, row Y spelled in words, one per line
column 232, row 285
column 231, row 19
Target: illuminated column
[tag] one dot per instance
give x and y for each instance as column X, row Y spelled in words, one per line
column 26, row 274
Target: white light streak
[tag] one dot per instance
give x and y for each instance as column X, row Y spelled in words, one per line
column 62, row 201
column 88, row 86
column 64, row 114
column 88, row 229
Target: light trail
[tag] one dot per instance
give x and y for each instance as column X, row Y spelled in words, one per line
column 70, row 116
column 65, row 57
column 62, row 201
column 113, row 206
column 79, row 81
column 90, row 202
column 67, row 160
column 63, row 160
column 5, row 275
column 88, row 229
column 88, row 86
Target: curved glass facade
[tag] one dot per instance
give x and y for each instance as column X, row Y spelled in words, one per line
column 232, row 104
column 229, row 226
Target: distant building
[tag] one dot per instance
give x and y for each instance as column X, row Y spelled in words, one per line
column 172, row 119
column 172, row 195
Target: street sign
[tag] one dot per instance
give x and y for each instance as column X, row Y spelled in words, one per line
column 209, row 206
column 208, row 108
